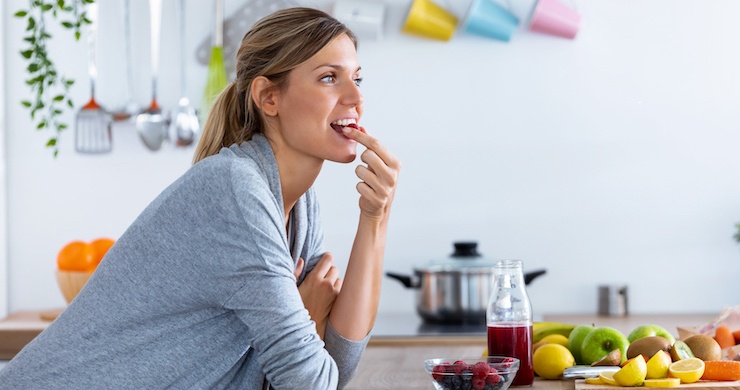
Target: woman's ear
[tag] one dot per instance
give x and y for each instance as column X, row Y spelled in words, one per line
column 263, row 94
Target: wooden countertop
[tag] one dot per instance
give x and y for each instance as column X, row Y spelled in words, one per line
column 403, row 368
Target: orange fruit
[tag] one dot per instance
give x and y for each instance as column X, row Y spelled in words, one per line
column 77, row 256
column 101, row 246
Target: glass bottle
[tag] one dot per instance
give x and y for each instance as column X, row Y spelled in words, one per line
column 509, row 319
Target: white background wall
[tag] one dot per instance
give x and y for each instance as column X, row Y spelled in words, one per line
column 611, row 158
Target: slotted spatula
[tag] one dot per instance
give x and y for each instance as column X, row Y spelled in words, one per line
column 92, row 122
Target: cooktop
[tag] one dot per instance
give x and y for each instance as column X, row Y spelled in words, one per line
column 410, row 324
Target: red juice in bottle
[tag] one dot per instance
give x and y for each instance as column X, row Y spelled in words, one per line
column 513, row 339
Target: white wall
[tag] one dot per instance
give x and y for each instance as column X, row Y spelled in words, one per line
column 612, row 158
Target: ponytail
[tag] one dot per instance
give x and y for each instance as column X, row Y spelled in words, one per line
column 225, row 124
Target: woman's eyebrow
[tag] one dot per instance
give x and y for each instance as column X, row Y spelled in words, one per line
column 337, row 67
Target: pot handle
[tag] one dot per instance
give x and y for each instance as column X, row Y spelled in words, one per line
column 407, row 280
column 530, row 276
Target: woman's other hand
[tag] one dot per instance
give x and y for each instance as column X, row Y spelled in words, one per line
column 319, row 289
column 379, row 176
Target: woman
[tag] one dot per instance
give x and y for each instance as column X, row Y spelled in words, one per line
column 200, row 292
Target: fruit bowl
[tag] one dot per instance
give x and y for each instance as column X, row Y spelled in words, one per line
column 477, row 373
column 71, row 282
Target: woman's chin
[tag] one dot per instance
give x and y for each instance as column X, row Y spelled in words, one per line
column 347, row 158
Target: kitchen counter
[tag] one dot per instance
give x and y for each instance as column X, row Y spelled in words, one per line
column 400, row 343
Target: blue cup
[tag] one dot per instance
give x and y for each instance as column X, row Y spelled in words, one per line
column 489, row 19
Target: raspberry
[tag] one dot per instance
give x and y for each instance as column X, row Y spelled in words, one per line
column 438, row 373
column 480, row 370
column 459, row 366
column 493, row 379
column 479, row 383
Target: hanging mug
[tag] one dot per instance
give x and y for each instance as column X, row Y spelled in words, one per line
column 363, row 17
column 555, row 18
column 426, row 18
column 489, row 19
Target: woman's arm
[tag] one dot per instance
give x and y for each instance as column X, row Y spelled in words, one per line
column 353, row 313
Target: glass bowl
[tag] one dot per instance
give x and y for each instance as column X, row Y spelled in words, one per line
column 476, row 373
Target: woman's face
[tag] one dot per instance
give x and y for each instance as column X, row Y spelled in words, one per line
column 320, row 92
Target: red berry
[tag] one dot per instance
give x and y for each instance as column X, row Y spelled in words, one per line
column 479, row 383
column 493, row 379
column 438, row 373
column 459, row 366
column 480, row 370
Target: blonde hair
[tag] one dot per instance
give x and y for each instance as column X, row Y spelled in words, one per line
column 273, row 47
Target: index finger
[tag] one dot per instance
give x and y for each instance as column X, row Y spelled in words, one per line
column 368, row 141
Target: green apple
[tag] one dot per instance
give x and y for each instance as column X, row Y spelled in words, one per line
column 602, row 340
column 575, row 339
column 651, row 330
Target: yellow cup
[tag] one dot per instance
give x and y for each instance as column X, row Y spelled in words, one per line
column 427, row 19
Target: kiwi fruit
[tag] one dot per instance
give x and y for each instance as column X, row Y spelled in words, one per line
column 648, row 346
column 680, row 350
column 613, row 358
column 704, row 347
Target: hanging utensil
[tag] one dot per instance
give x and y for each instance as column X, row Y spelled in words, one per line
column 216, row 81
column 152, row 124
column 131, row 107
column 185, row 125
column 92, row 122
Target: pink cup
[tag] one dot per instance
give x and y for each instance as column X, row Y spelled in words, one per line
column 555, row 18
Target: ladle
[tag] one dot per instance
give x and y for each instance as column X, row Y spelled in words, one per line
column 185, row 125
column 152, row 124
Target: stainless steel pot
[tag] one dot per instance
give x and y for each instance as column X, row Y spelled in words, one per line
column 455, row 289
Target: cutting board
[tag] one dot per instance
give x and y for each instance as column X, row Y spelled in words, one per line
column 703, row 385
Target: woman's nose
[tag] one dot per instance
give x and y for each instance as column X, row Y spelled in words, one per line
column 352, row 95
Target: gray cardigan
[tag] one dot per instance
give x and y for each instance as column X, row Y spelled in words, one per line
column 198, row 293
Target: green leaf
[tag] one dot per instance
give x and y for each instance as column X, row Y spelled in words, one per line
column 77, row 35
column 51, row 142
column 46, row 7
column 68, row 24
column 58, row 98
column 21, row 14
column 26, row 103
column 32, row 68
column 62, row 126
column 27, row 54
column 31, row 24
column 41, row 125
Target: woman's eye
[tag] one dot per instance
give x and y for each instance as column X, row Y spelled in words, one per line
column 328, row 79
column 358, row 81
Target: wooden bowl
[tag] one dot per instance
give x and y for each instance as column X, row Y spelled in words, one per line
column 71, row 282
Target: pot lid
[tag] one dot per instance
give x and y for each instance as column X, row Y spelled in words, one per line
column 465, row 258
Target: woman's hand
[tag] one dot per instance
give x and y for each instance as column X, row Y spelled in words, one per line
column 319, row 290
column 379, row 176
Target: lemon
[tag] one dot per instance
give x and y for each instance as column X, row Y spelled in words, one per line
column 665, row 382
column 607, row 377
column 594, row 381
column 657, row 366
column 550, row 360
column 687, row 370
column 485, row 352
column 555, row 339
column 633, row 373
